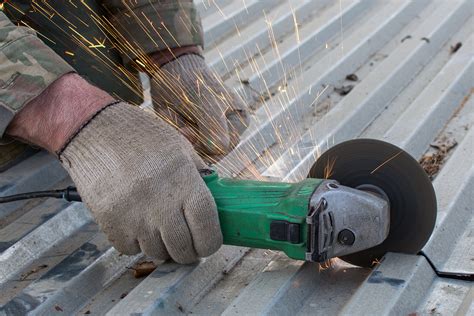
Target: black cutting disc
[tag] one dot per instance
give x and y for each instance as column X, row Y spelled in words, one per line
column 412, row 198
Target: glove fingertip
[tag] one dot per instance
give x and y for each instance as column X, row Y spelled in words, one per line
column 211, row 246
column 203, row 221
column 152, row 245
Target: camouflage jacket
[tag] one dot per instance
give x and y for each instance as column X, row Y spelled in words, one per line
column 96, row 38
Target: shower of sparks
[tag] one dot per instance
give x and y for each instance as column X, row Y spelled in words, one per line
column 386, row 161
column 295, row 22
column 326, row 265
column 329, row 168
column 99, row 45
column 249, row 68
column 318, row 95
column 342, row 33
column 375, row 262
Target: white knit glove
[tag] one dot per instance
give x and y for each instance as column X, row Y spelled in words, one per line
column 139, row 177
column 185, row 89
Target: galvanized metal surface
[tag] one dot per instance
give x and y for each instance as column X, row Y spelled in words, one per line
column 288, row 60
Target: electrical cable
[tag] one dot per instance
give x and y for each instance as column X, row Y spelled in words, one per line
column 448, row 275
column 69, row 194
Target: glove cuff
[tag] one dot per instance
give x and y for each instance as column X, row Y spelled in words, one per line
column 162, row 58
column 186, row 62
column 61, row 150
column 118, row 133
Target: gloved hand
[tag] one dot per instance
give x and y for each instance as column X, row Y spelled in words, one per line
column 185, row 90
column 140, row 179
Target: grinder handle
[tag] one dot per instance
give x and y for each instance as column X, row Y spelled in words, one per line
column 259, row 214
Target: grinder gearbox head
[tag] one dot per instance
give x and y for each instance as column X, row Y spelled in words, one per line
column 343, row 220
column 385, row 170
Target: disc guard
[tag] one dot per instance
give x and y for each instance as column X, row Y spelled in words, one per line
column 413, row 208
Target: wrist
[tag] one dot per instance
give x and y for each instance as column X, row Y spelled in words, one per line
column 55, row 115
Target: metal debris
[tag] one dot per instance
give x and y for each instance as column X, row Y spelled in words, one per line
column 455, row 47
column 58, row 308
column 432, row 162
column 352, row 77
column 344, row 90
column 405, row 38
column 444, row 144
column 143, row 269
column 33, row 271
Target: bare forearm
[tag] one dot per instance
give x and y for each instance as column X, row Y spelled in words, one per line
column 53, row 117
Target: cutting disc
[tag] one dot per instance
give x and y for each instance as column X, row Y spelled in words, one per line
column 365, row 163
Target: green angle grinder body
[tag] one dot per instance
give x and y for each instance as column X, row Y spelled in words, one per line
column 376, row 199
column 362, row 198
column 386, row 170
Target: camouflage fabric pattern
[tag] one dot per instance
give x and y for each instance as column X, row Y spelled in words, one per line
column 27, row 67
column 73, row 30
column 13, row 152
column 147, row 26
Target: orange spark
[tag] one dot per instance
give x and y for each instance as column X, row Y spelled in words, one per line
column 386, row 161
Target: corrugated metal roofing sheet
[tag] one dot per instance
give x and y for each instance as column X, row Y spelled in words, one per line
column 289, row 60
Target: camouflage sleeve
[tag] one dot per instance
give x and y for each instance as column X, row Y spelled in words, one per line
column 143, row 27
column 27, row 67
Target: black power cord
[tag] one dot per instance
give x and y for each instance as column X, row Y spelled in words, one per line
column 69, row 194
column 448, row 275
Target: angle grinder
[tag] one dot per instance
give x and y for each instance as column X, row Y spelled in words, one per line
column 362, row 198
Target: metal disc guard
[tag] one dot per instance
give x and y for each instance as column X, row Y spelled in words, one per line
column 368, row 163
